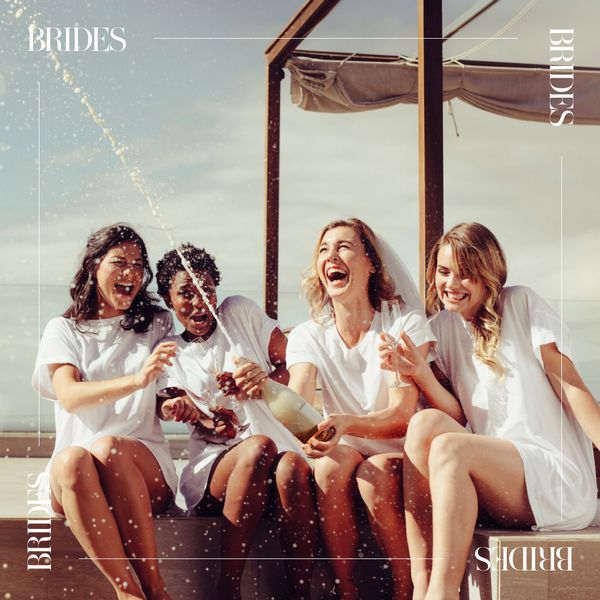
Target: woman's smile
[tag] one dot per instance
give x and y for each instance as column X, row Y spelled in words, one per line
column 342, row 263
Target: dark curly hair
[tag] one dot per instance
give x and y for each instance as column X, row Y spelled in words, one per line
column 84, row 294
column 170, row 264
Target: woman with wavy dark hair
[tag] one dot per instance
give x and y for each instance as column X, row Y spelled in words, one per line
column 345, row 286
column 111, row 469
column 526, row 461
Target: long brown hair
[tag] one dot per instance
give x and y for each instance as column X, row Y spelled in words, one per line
column 381, row 286
column 478, row 256
column 84, row 294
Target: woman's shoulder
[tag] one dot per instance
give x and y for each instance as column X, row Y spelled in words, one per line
column 520, row 298
column 443, row 319
column 518, row 292
column 61, row 321
column 60, row 325
column 312, row 327
column 238, row 302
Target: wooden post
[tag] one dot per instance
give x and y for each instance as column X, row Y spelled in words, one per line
column 272, row 134
column 309, row 16
column 431, row 135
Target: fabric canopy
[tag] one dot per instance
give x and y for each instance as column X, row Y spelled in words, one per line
column 520, row 93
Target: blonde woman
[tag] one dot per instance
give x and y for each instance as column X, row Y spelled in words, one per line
column 345, row 287
column 508, row 358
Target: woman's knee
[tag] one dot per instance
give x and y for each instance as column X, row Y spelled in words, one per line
column 293, row 474
column 335, row 470
column 72, row 467
column 258, row 452
column 448, row 452
column 423, row 427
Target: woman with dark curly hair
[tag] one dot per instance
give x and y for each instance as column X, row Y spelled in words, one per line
column 242, row 462
column 111, row 469
column 526, row 461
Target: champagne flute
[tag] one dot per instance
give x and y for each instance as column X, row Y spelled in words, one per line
column 391, row 324
column 209, row 365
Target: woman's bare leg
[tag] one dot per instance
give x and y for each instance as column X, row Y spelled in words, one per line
column 240, row 482
column 465, row 471
column 423, row 427
column 336, row 501
column 379, row 481
column 135, row 489
column 297, row 517
column 78, row 494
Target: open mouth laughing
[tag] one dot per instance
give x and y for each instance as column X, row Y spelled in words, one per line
column 336, row 275
column 199, row 319
column 125, row 289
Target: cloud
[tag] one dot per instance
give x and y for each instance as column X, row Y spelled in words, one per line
column 204, row 160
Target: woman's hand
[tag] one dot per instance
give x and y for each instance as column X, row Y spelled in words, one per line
column 181, row 409
column 155, row 364
column 315, row 448
column 223, row 426
column 404, row 358
column 387, row 352
column 249, row 379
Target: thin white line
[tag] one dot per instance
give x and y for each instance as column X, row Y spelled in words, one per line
column 39, row 242
column 561, row 339
column 268, row 39
column 251, row 558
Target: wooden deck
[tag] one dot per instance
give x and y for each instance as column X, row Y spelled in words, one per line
column 190, row 551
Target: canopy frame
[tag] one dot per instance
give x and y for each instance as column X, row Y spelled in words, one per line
column 430, row 102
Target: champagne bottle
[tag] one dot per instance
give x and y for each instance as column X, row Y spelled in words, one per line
column 293, row 412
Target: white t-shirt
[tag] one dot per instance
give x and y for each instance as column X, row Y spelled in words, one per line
column 194, row 368
column 105, row 351
column 351, row 378
column 522, row 406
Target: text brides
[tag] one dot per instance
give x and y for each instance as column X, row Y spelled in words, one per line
column 562, row 76
column 76, row 39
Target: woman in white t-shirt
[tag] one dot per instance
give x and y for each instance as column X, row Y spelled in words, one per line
column 242, row 461
column 345, row 287
column 111, row 468
column 508, row 358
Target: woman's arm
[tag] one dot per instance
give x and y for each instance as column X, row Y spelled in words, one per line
column 390, row 422
column 303, row 380
column 412, row 364
column 277, row 346
column 249, row 377
column 75, row 395
column 571, row 390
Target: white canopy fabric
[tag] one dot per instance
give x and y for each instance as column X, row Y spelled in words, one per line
column 520, row 93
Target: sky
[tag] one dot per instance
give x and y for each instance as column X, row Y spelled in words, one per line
column 191, row 114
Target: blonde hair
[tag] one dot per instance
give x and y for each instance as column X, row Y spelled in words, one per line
column 478, row 256
column 381, row 286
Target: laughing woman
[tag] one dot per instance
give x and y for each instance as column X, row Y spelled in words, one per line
column 111, row 469
column 253, row 464
column 508, row 358
column 345, row 287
